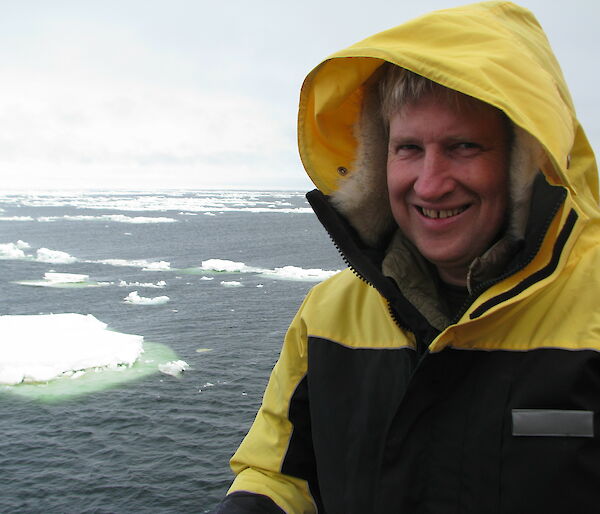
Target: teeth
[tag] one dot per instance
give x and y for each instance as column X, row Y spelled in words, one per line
column 446, row 213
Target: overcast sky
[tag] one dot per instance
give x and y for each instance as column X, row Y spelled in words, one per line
column 150, row 94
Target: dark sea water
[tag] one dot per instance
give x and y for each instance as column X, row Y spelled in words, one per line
column 159, row 443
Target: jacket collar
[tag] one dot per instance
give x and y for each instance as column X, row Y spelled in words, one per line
column 418, row 315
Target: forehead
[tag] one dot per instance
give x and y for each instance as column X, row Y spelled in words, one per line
column 451, row 111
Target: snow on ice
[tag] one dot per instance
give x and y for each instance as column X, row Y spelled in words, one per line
column 39, row 348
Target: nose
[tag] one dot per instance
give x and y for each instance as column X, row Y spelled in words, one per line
column 434, row 178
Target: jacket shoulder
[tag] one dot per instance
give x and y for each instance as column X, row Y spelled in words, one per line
column 346, row 310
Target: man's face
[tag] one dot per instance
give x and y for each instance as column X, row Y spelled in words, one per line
column 447, row 174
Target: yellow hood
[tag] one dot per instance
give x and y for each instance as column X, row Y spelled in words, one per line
column 494, row 51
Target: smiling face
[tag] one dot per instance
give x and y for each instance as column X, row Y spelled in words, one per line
column 447, row 174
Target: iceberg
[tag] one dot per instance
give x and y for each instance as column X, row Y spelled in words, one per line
column 40, row 348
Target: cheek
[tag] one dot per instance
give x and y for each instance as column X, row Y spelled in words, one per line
column 396, row 179
column 495, row 190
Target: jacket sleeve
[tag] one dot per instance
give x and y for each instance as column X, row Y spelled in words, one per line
column 247, row 503
column 274, row 465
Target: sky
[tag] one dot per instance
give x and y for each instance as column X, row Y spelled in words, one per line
column 192, row 94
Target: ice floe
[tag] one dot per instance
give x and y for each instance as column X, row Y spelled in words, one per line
column 16, row 218
column 39, row 348
column 54, row 256
column 16, row 251
column 231, row 283
column 135, row 299
column 223, row 265
column 282, row 273
column 118, row 218
column 173, row 368
column 296, row 273
column 161, row 284
column 157, row 266
column 62, row 280
column 11, row 251
column 145, row 264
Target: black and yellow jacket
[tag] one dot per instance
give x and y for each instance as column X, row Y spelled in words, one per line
column 377, row 406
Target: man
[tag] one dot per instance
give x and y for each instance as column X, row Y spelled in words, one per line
column 454, row 367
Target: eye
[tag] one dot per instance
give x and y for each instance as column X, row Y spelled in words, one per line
column 467, row 148
column 405, row 149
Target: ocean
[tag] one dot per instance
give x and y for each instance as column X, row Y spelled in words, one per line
column 231, row 268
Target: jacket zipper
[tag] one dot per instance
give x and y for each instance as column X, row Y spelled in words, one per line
column 478, row 290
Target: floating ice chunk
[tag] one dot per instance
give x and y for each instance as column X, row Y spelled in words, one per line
column 296, row 273
column 158, row 266
column 62, row 280
column 11, row 251
column 205, row 386
column 135, row 299
column 231, row 283
column 39, row 348
column 285, row 272
column 224, row 265
column 137, row 263
column 54, row 256
column 173, row 368
column 65, row 278
column 159, row 285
